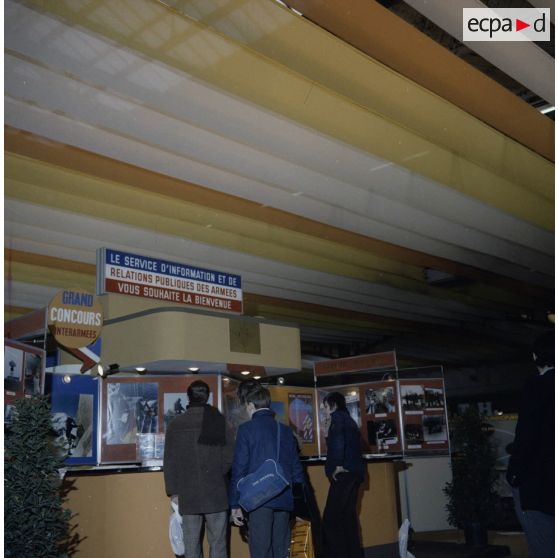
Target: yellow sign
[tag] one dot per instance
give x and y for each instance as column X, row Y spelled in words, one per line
column 75, row 318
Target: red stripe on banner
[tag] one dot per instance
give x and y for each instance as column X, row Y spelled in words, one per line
column 171, row 295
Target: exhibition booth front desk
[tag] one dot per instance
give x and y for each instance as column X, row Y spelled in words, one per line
column 114, row 425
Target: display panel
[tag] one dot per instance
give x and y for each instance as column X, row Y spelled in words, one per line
column 133, row 406
column 75, row 406
column 375, row 410
column 24, row 373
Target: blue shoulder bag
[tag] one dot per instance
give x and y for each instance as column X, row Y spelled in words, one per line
column 266, row 482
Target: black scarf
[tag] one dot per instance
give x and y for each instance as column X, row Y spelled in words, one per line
column 213, row 426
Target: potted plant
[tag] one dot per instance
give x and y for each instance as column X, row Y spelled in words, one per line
column 471, row 494
column 35, row 522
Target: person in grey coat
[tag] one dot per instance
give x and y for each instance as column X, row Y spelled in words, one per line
column 198, row 456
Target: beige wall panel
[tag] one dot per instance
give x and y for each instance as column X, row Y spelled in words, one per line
column 185, row 335
column 127, row 514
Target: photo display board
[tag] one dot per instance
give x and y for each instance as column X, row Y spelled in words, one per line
column 424, row 415
column 24, row 374
column 75, row 410
column 134, row 406
column 375, row 409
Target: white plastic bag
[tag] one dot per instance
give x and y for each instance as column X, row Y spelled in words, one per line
column 175, row 531
column 403, row 539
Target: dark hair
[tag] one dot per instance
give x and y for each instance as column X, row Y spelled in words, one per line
column 337, row 400
column 244, row 387
column 259, row 396
column 543, row 349
column 198, row 392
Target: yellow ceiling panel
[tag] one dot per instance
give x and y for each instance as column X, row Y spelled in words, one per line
column 273, row 31
column 41, row 183
column 161, row 33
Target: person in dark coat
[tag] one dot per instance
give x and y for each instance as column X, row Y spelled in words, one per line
column 198, row 456
column 345, row 470
column 256, row 441
column 531, row 465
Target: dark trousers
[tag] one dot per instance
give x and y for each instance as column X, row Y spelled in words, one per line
column 269, row 533
column 340, row 524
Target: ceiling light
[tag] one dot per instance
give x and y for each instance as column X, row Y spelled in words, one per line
column 104, row 372
column 227, row 380
column 546, row 110
column 280, row 380
column 257, row 377
column 140, row 368
column 66, row 378
column 193, row 368
column 352, row 393
column 245, row 372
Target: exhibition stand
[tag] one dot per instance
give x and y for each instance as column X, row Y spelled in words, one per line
column 115, row 391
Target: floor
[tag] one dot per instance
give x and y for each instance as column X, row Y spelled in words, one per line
column 420, row 545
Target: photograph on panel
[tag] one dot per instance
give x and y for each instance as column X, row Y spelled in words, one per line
column 413, row 434
column 174, row 404
column 433, row 398
column 382, row 433
column 353, row 404
column 131, row 410
column 412, row 397
column 72, row 420
column 380, row 401
column 434, row 428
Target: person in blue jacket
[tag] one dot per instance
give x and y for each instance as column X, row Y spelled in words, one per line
column 345, row 470
column 256, row 440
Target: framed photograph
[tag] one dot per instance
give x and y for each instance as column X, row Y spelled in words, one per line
column 135, row 406
column 24, row 370
column 75, row 416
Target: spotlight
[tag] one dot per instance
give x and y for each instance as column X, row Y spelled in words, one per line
column 140, row 368
column 66, row 378
column 193, row 368
column 245, row 372
column 257, row 377
column 280, row 380
column 112, row 369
